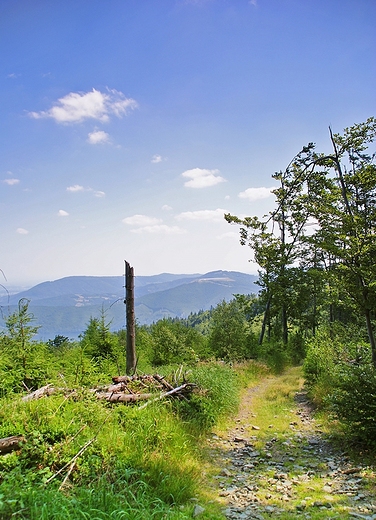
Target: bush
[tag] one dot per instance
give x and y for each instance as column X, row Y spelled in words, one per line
column 321, row 358
column 173, row 342
column 354, row 401
column 228, row 333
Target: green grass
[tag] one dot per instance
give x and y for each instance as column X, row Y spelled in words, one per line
column 135, row 464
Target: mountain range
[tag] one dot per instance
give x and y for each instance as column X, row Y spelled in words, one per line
column 65, row 306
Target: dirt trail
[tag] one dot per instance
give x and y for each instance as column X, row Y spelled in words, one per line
column 290, row 473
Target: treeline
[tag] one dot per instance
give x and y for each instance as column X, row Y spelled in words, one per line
column 228, row 332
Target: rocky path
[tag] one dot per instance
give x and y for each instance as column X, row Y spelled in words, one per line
column 290, row 473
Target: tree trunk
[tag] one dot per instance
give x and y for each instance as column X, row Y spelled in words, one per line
column 285, row 331
column 265, row 320
column 130, row 318
column 371, row 336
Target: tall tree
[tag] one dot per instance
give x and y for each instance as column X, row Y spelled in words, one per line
column 276, row 243
column 342, row 200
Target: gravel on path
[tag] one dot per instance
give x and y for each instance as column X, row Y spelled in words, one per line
column 297, row 474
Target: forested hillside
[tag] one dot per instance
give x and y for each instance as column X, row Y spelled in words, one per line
column 65, row 306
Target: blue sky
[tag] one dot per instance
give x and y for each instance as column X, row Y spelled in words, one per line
column 129, row 127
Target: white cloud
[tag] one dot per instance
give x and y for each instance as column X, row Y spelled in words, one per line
column 98, row 137
column 206, row 214
column 75, row 188
column 75, row 107
column 156, row 158
column 145, row 224
column 166, row 207
column 141, row 221
column 11, row 182
column 22, row 231
column 160, row 229
column 202, row 178
column 62, row 213
column 253, row 194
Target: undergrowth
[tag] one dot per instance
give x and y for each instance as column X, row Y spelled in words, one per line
column 84, row 458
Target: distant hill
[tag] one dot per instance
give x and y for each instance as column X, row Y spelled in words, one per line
column 65, row 306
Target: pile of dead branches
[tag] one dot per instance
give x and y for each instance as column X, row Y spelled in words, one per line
column 129, row 389
column 125, row 389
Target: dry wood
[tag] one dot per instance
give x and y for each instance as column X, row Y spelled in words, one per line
column 72, row 461
column 37, row 394
column 123, row 398
column 178, row 390
column 122, row 379
column 128, row 379
column 163, row 382
column 9, row 444
column 121, row 392
column 119, row 387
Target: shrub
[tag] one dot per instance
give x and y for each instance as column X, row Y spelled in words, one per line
column 228, row 334
column 354, row 401
column 173, row 342
column 321, row 358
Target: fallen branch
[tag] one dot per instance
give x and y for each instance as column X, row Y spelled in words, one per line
column 9, row 444
column 163, row 382
column 72, row 461
column 128, row 379
column 123, row 390
column 177, row 390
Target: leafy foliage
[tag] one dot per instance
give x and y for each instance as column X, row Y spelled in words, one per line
column 353, row 400
column 228, row 332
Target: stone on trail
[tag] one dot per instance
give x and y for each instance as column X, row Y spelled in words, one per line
column 198, row 510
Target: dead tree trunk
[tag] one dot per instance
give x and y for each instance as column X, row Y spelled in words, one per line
column 10, row 444
column 37, row 394
column 130, row 319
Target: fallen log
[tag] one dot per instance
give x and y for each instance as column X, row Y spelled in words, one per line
column 119, row 387
column 9, row 444
column 114, row 397
column 37, row 394
column 122, row 379
column 116, row 392
column 128, row 379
